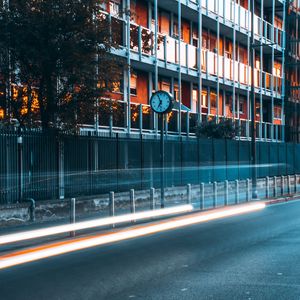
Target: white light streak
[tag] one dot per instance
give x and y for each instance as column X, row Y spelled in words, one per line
column 84, row 243
column 38, row 233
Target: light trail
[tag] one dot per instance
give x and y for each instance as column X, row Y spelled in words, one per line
column 42, row 252
column 38, row 233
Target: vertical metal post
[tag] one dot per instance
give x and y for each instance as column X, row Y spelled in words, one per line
column 112, row 205
column 201, row 195
column 282, row 185
column 72, row 214
column 226, row 193
column 275, row 186
column 237, row 196
column 132, row 201
column 152, row 198
column 248, row 192
column 267, row 187
column 20, row 167
column 253, row 108
column 295, row 183
column 162, row 163
column 179, row 67
column 215, row 193
column 189, row 193
column 128, row 110
column 289, row 184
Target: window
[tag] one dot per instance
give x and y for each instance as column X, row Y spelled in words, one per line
column 277, row 112
column 213, row 99
column 176, row 30
column 133, row 84
column 114, row 7
column 204, row 98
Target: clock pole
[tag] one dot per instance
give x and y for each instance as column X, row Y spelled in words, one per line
column 162, row 162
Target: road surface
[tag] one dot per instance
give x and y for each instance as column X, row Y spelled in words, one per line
column 253, row 256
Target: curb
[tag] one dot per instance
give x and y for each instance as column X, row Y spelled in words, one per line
column 288, row 198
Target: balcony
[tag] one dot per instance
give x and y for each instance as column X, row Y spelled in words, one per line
column 112, row 119
column 211, row 63
column 231, row 11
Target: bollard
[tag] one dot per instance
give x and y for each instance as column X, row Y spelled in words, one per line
column 226, row 193
column 282, row 185
column 275, row 186
column 112, row 205
column 132, row 202
column 248, row 192
column 152, row 198
column 267, row 187
column 202, row 196
column 189, row 193
column 289, row 184
column 31, row 209
column 215, row 193
column 72, row 214
column 236, row 191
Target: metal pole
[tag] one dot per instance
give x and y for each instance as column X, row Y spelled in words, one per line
column 72, row 214
column 202, row 196
column 237, row 192
column 189, row 193
column 226, row 193
column 162, row 163
column 152, row 198
column 20, row 167
column 253, row 109
column 215, row 192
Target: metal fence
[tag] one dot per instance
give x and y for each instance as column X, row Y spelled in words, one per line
column 46, row 167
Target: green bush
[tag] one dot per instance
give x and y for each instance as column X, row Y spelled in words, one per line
column 225, row 129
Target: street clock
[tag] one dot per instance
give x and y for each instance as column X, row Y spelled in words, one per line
column 161, row 102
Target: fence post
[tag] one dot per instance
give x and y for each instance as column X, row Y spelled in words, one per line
column 201, row 195
column 275, row 186
column 188, row 193
column 132, row 202
column 215, row 193
column 296, row 177
column 267, row 187
column 152, row 198
column 236, row 191
column 61, row 176
column 282, row 185
column 226, row 193
column 248, row 192
column 72, row 214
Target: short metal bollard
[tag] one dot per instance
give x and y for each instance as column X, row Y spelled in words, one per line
column 282, row 185
column 189, row 193
column 237, row 192
column 267, row 187
column 112, row 205
column 152, row 198
column 132, row 202
column 289, row 184
column 72, row 214
column 215, row 193
column 248, row 192
column 202, row 196
column 275, row 186
column 226, row 193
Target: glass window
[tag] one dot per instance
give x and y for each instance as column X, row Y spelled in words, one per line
column 133, row 84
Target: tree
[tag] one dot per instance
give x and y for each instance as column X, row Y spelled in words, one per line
column 224, row 129
column 59, row 51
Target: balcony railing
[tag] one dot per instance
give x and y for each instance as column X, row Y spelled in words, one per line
column 236, row 13
column 112, row 117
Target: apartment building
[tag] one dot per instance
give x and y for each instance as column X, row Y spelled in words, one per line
column 200, row 52
column 292, row 93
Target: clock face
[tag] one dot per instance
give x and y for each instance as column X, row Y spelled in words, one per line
column 161, row 102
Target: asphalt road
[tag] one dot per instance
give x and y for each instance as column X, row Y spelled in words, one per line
column 253, row 256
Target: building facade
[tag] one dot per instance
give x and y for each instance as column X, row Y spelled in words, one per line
column 200, row 52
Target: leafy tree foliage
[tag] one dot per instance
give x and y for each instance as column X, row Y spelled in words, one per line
column 59, row 54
